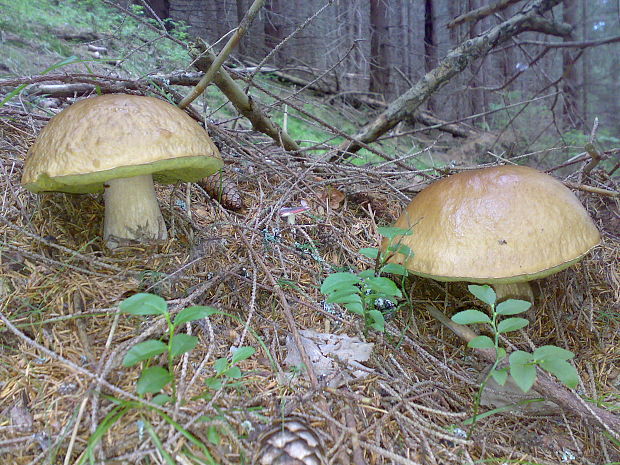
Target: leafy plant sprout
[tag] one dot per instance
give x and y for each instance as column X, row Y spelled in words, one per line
column 521, row 365
column 367, row 293
column 154, row 378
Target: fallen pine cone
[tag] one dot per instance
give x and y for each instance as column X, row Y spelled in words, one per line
column 222, row 189
column 289, row 442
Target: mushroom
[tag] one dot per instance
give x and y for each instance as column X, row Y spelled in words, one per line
column 121, row 143
column 503, row 226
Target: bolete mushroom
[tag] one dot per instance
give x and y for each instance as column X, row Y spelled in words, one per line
column 502, row 226
column 120, row 143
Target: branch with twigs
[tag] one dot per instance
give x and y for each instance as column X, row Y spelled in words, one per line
column 480, row 13
column 224, row 53
column 456, row 61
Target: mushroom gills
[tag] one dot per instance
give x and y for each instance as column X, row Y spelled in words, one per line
column 132, row 212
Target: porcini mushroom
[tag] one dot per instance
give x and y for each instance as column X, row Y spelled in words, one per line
column 503, row 226
column 121, row 143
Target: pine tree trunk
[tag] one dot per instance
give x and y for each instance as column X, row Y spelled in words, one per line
column 379, row 59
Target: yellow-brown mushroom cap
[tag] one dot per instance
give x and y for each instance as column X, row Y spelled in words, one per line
column 495, row 225
column 118, row 136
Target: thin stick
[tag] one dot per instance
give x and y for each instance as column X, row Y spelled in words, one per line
column 223, row 55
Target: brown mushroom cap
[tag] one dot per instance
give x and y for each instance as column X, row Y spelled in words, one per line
column 504, row 224
column 118, row 136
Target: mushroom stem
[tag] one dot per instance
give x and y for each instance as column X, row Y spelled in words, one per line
column 132, row 212
column 520, row 291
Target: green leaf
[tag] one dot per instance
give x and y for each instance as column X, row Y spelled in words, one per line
column 144, row 304
column 152, row 380
column 511, row 324
column 370, row 252
column 365, row 274
column 181, row 343
column 213, row 435
column 544, row 353
column 221, row 365
column 395, row 268
column 512, row 307
column 213, row 383
column 484, row 293
column 391, row 231
column 242, row 353
column 383, row 285
column 349, row 294
column 481, row 342
column 520, row 356
column 469, row 317
column 196, row 312
column 500, row 376
column 354, row 307
column 563, row 370
column 402, row 249
column 143, row 351
column 338, row 281
column 522, row 370
column 234, row 372
column 377, row 320
column 524, row 376
column 500, row 354
column 161, row 399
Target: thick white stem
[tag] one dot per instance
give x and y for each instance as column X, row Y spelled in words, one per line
column 132, row 212
column 519, row 291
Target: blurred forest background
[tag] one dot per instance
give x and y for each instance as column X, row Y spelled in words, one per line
column 378, row 48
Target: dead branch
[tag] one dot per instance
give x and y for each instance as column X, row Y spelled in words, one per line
column 423, row 117
column 479, row 13
column 582, row 44
column 455, row 62
column 228, row 48
column 203, row 57
column 592, row 189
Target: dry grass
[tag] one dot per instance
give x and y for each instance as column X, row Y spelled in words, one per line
column 61, row 290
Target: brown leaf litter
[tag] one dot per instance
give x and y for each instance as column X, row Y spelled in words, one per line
column 61, row 289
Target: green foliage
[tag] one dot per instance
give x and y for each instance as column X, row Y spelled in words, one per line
column 521, row 365
column 154, row 378
column 226, row 372
column 39, row 21
column 363, row 293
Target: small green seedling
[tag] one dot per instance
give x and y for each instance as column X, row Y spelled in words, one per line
column 521, row 365
column 367, row 292
column 154, row 378
column 227, row 371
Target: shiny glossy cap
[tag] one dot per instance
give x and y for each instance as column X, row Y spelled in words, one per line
column 495, row 225
column 118, row 136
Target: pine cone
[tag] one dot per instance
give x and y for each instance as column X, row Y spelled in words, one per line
column 289, row 442
column 222, row 189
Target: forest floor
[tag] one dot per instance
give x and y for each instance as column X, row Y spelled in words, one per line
column 62, row 383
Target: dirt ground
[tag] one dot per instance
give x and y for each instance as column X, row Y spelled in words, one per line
column 60, row 370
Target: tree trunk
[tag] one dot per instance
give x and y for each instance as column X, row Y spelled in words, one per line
column 571, row 115
column 273, row 26
column 241, row 9
column 430, row 45
column 379, row 59
column 585, row 62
